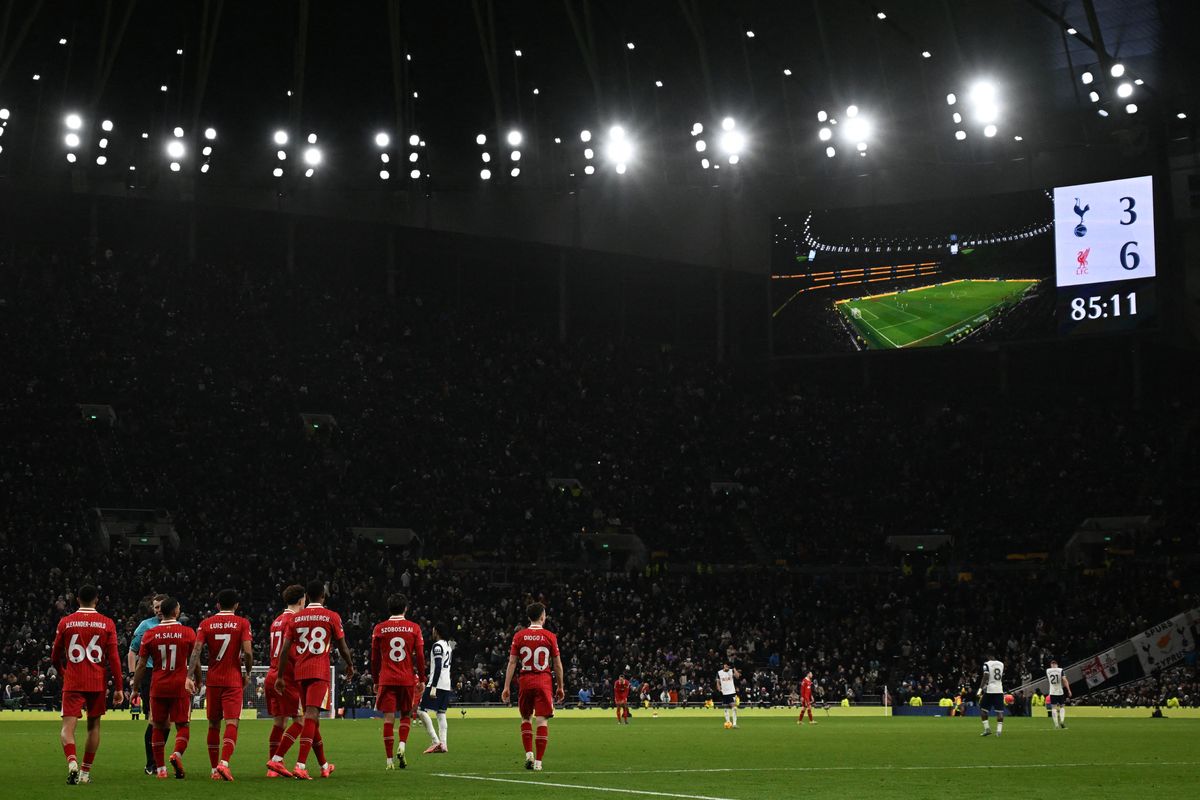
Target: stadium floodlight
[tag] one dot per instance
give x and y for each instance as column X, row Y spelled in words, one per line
column 926, row 54
column 514, row 138
column 589, row 170
column 162, row 88
column 74, row 122
column 70, row 158
column 277, row 172
column 704, row 163
column 515, row 171
column 210, row 134
column 1102, row 112
column 658, row 84
column 101, row 161
column 862, row 147
column 697, row 129
column 481, row 139
column 1087, row 78
column 308, row 173
column 175, row 150
column 207, row 151
column 857, row 129
column 62, row 41
column 204, row 168
column 701, row 145
column 145, row 135
column 1125, row 89
column 822, row 116
column 851, row 112
column 415, row 174
column 1094, row 97
column 174, row 166
column 515, row 155
column 1117, row 70
column 517, row 53
column 312, row 138
column 629, row 45
column 312, row 156
column 535, row 91
column 178, row 133
column 989, row 131
column 384, row 174
column 414, row 140
column 960, row 135
column 951, row 99
column 106, row 125
column 4, row 113
column 485, row 174
column 281, row 155
column 72, row 139
column 382, row 139
column 749, row 34
column 412, row 157
column 1018, row 138
column 486, row 157
column 881, row 15
column 1071, row 31
column 826, row 134
column 830, row 152
column 787, row 73
column 1181, row 115
column 619, row 150
column 588, row 153
column 728, row 124
column 957, row 117
column 103, row 143
column 732, row 142
column 557, row 140
column 281, row 137
column 1138, row 82
column 1131, row 108
column 733, row 159
column 620, row 169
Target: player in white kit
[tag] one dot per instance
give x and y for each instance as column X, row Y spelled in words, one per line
column 991, row 696
column 1056, row 701
column 437, row 688
column 728, row 691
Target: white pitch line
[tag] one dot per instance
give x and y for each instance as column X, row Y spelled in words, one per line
column 581, row 786
column 871, row 768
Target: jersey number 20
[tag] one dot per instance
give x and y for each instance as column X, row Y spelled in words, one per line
column 539, row 656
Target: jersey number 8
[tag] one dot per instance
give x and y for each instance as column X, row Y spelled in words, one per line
column 539, row 656
column 396, row 650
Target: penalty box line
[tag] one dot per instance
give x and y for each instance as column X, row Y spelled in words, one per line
column 584, row 787
column 842, row 768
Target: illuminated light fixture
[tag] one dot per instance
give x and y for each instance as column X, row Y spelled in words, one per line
column 733, row 159
column 480, row 139
column 1102, row 112
column 1117, row 70
column 830, row 152
column 174, row 166
column 749, row 34
column 1139, row 82
column 1087, row 78
column 414, row 140
column 4, row 113
column 926, row 54
column 312, row 156
column 727, row 124
column 382, row 140
column 1181, row 115
column 106, row 125
column 1094, row 97
column 74, row 122
column 514, row 138
column 415, row 174
column 1018, row 138
column 857, row 130
column 826, row 134
column 619, row 150
column 517, row 53
column 1071, row 31
column 704, row 163
column 701, row 145
column 70, row 158
column 179, row 51
column 588, row 153
column 277, row 172
column 989, row 131
column 957, row 117
column 535, row 91
column 204, row 168
column 408, row 56
column 385, row 158
column 697, row 129
column 178, row 133
column 589, row 170
column 1125, row 89
column 629, row 45
column 210, row 134
column 207, row 151
column 308, row 173
column 62, row 41
column 175, row 150
column 515, row 171
column 515, row 155
column 658, row 84
column 880, row 15
column 732, row 142
column 416, row 96
column 37, row 77
column 162, row 88
column 101, row 161
column 312, row 138
column 822, row 116
column 557, row 140
column 485, row 174
column 486, row 157
column 852, row 111
column 983, row 96
column 620, row 169
column 585, row 136
column 281, row 155
column 1131, row 108
column 960, row 135
column 132, row 168
column 281, row 137
column 787, row 72
column 951, row 99
column 72, row 139
column 103, row 143
column 862, row 147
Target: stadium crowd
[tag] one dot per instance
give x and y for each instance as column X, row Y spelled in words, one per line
column 451, row 423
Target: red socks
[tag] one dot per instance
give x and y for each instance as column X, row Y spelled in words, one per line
column 405, row 727
column 388, row 739
column 306, row 740
column 527, row 736
column 273, row 742
column 214, row 746
column 69, row 752
column 88, row 757
column 182, row 737
column 543, row 733
column 229, row 742
column 158, row 741
column 319, row 748
column 287, row 739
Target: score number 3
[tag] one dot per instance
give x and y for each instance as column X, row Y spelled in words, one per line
column 1130, row 258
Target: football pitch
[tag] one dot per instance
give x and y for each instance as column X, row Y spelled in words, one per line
column 676, row 756
column 930, row 315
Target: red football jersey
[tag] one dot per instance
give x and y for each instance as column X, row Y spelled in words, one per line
column 314, row 632
column 535, row 648
column 806, row 689
column 278, row 631
column 224, row 633
column 170, row 644
column 621, row 690
column 397, row 653
column 83, row 644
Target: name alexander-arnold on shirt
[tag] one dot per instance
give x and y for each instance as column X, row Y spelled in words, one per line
column 86, row 624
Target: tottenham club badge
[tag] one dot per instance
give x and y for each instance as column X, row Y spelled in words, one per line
column 1081, row 229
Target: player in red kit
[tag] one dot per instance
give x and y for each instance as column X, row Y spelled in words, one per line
column 171, row 690
column 314, row 631
column 806, row 703
column 227, row 637
column 397, row 666
column 534, row 649
column 84, row 644
column 285, row 705
column 621, row 699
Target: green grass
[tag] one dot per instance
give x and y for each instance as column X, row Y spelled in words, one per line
column 930, row 315
column 683, row 755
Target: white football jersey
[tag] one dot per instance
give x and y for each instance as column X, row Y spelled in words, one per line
column 993, row 673
column 725, row 678
column 1054, row 675
column 439, row 666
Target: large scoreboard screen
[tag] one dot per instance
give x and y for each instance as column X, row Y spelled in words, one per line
column 1104, row 255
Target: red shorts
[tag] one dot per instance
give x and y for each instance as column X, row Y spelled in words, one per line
column 74, row 703
column 314, row 692
column 535, row 697
column 286, row 704
column 224, row 702
column 806, row 701
column 621, row 700
column 394, row 700
column 171, row 709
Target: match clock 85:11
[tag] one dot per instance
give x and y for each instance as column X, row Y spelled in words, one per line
column 1111, row 306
